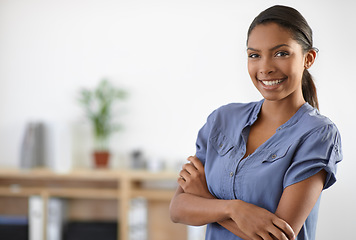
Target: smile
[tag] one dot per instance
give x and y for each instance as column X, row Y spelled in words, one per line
column 272, row 82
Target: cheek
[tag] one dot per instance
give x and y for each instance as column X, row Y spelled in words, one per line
column 251, row 70
column 298, row 74
column 293, row 69
column 297, row 67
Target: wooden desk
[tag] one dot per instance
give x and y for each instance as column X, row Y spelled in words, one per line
column 119, row 186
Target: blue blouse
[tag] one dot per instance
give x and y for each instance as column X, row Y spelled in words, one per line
column 307, row 143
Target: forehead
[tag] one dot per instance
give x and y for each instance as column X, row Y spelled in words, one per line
column 269, row 35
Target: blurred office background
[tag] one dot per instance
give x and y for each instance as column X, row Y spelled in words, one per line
column 179, row 60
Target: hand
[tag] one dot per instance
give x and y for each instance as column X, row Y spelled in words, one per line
column 192, row 178
column 258, row 223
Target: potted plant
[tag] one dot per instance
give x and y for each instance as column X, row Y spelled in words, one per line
column 99, row 105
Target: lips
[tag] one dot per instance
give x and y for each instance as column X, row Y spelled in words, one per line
column 272, row 82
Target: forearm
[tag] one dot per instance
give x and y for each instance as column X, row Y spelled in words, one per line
column 193, row 204
column 230, row 225
column 298, row 200
column 194, row 210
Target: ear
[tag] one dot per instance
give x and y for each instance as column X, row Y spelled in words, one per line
column 309, row 58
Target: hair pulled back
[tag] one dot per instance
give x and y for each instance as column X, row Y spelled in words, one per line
column 290, row 19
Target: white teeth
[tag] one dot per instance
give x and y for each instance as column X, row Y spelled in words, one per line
column 272, row 82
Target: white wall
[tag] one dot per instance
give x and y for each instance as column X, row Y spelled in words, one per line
column 178, row 59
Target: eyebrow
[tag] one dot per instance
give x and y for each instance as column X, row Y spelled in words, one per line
column 274, row 48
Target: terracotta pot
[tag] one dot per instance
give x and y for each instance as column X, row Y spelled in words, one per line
column 101, row 159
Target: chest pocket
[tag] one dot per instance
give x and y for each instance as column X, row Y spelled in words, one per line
column 221, row 143
column 277, row 154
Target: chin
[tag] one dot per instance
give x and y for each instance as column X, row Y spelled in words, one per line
column 272, row 97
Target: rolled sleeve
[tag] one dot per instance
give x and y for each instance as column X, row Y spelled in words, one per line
column 320, row 150
column 202, row 139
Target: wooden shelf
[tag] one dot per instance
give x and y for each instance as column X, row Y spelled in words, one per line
column 99, row 185
column 20, row 192
column 90, row 193
column 163, row 195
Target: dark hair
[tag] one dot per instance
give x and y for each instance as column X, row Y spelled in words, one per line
column 290, row 19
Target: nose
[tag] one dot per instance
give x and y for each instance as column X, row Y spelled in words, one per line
column 266, row 66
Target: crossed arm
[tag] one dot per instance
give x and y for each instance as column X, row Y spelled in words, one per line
column 193, row 204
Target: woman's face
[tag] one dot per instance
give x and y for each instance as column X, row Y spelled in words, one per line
column 275, row 62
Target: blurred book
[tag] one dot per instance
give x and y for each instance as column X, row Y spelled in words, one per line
column 56, row 216
column 58, row 147
column 36, row 219
column 33, row 148
column 47, row 144
column 138, row 219
column 14, row 227
column 13, row 220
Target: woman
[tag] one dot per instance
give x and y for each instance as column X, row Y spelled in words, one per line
column 260, row 167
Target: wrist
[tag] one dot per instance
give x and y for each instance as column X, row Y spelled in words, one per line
column 232, row 207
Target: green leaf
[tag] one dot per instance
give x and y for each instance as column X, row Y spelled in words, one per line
column 98, row 105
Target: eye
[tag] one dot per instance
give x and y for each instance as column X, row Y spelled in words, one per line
column 253, row 55
column 282, row 54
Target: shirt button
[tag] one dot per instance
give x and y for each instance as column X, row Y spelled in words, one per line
column 231, row 174
column 274, row 156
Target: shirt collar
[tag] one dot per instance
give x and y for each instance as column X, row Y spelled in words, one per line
column 297, row 116
column 293, row 120
column 255, row 112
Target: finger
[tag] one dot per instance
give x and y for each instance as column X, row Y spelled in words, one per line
column 285, row 227
column 196, row 162
column 265, row 236
column 191, row 163
column 190, row 168
column 256, row 237
column 187, row 165
column 181, row 182
column 278, row 234
column 184, row 175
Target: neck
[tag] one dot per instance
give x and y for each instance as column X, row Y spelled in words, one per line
column 281, row 111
